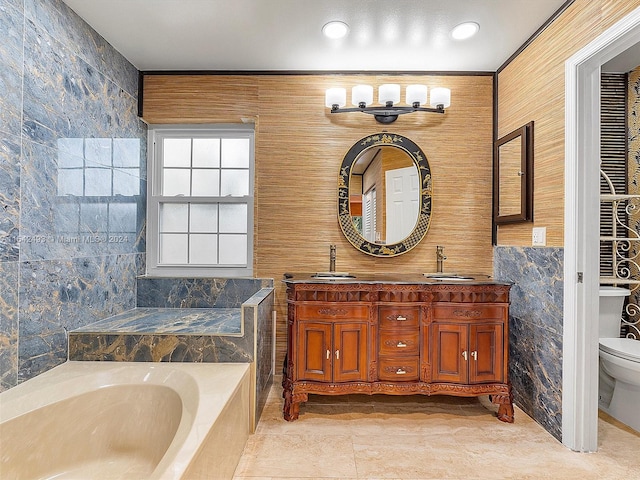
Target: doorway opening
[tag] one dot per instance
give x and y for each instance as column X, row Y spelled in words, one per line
column 581, row 267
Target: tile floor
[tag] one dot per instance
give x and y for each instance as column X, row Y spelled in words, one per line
column 418, row 438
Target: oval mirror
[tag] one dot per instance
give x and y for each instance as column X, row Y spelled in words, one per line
column 384, row 195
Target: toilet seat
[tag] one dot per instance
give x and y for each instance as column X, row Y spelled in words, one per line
column 626, row 348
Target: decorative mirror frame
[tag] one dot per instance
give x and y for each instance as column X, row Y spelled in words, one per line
column 524, row 135
column 424, row 215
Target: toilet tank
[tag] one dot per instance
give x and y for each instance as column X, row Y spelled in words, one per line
column 611, row 303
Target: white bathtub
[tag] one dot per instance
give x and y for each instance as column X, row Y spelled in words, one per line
column 120, row 420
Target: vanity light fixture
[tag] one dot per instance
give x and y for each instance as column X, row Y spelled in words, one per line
column 388, row 98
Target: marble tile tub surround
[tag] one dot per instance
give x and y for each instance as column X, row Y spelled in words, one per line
column 184, row 320
column 261, row 307
column 197, row 292
column 72, row 183
column 535, row 330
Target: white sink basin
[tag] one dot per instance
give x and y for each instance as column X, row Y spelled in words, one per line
column 332, row 275
column 448, row 277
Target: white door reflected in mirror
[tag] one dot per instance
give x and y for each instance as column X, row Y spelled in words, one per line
column 403, row 202
column 387, row 181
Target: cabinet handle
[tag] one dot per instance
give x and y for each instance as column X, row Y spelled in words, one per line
column 400, row 371
column 474, row 354
column 401, row 344
column 400, row 318
column 464, row 354
column 328, row 354
column 337, row 354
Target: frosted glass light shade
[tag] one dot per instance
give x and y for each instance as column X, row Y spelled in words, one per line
column 416, row 93
column 362, row 94
column 389, row 92
column 440, row 96
column 335, row 96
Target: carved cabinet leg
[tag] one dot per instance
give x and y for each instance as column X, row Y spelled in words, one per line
column 291, row 409
column 505, row 406
column 505, row 412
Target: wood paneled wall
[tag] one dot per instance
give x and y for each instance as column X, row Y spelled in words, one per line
column 532, row 88
column 299, row 149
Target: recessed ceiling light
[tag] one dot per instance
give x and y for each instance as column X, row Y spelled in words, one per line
column 335, row 29
column 465, row 30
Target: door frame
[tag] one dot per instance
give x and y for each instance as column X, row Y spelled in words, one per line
column 581, row 227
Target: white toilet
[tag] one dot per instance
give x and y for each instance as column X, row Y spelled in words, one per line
column 619, row 386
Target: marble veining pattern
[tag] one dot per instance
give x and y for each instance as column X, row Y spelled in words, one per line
column 62, row 23
column 8, row 325
column 59, row 296
column 76, row 96
column 197, row 292
column 219, row 334
column 11, row 59
column 535, row 329
column 9, row 197
column 263, row 307
column 184, row 321
column 157, row 348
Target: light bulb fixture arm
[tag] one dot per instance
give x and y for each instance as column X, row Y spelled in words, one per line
column 389, row 113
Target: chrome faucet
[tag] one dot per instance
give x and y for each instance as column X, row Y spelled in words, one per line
column 440, row 258
column 332, row 258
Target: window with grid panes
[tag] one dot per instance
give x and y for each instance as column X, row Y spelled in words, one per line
column 200, row 201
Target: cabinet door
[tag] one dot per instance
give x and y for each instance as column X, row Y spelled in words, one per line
column 350, row 352
column 450, row 353
column 486, row 354
column 314, row 351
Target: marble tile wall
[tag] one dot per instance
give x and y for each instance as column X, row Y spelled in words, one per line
column 197, row 292
column 72, row 183
column 535, row 330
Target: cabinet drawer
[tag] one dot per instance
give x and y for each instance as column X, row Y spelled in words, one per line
column 332, row 312
column 399, row 342
column 394, row 317
column 399, row 369
column 469, row 312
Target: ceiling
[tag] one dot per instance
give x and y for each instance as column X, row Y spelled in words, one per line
column 285, row 35
column 624, row 62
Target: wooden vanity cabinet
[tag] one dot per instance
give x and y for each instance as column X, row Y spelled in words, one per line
column 331, row 341
column 467, row 353
column 468, row 343
column 332, row 352
column 399, row 339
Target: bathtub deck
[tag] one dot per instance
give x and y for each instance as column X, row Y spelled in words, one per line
column 185, row 321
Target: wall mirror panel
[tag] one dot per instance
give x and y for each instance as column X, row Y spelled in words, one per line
column 384, row 195
column 513, row 176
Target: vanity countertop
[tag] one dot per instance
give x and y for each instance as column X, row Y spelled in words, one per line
column 391, row 278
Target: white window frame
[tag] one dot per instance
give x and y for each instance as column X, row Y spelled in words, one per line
column 156, row 133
